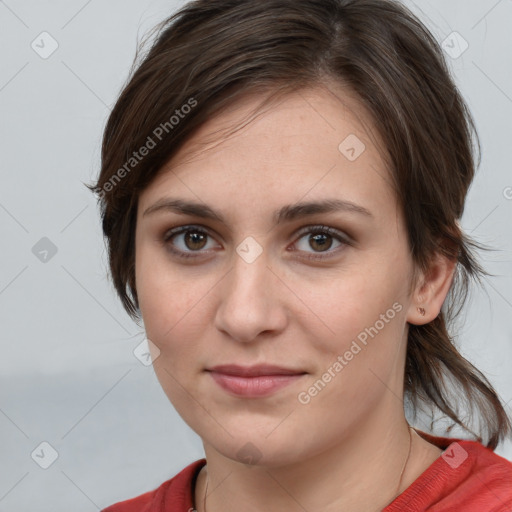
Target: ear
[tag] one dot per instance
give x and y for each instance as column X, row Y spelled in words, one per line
column 431, row 290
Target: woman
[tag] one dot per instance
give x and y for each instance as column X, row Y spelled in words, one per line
column 281, row 187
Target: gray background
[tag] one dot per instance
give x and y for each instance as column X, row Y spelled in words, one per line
column 68, row 373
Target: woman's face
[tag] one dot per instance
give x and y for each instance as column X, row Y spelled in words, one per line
column 256, row 287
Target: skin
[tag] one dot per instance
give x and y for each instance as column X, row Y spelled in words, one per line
column 345, row 449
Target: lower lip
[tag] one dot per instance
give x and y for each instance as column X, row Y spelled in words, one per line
column 263, row 385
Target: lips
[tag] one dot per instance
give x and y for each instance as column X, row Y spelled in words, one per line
column 253, row 381
column 254, row 371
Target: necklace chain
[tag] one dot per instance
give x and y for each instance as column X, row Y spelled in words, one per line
column 404, row 466
column 399, row 481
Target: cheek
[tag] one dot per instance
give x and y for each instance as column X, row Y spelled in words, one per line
column 164, row 296
column 171, row 310
column 365, row 316
column 358, row 366
column 176, row 306
column 350, row 304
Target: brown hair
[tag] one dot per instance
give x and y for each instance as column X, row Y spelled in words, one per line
column 212, row 52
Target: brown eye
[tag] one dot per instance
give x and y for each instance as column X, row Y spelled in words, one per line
column 194, row 240
column 184, row 241
column 321, row 240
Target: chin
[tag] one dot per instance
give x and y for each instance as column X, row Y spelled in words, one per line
column 269, row 448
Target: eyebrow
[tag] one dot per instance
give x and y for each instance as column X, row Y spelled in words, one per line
column 287, row 213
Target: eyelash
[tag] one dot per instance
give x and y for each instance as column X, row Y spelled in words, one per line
column 313, row 230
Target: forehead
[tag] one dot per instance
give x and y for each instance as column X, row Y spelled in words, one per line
column 307, row 145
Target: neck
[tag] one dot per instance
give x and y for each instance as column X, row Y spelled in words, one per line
column 364, row 472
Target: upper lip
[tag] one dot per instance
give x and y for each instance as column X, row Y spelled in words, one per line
column 254, row 371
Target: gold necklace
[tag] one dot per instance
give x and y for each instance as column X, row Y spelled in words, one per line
column 397, row 489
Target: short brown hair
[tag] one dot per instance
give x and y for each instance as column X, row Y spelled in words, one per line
column 213, row 52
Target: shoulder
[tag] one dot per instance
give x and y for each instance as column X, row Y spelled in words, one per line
column 467, row 476
column 174, row 495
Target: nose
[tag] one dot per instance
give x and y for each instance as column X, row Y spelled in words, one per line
column 251, row 303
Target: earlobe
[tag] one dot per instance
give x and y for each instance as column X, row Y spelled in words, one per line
column 432, row 289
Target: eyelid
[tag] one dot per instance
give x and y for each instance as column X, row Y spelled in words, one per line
column 320, row 228
column 169, row 233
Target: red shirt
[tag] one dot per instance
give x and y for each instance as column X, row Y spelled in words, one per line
column 467, row 477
